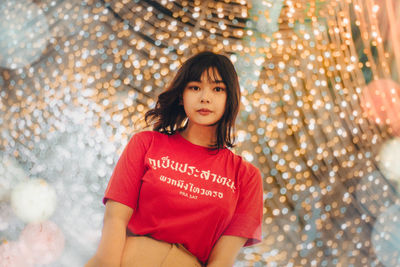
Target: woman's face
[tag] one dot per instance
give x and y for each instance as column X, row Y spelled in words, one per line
column 204, row 101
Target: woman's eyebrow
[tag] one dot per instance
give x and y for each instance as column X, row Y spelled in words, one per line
column 218, row 81
column 212, row 81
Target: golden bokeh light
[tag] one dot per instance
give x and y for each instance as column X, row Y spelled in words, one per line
column 303, row 66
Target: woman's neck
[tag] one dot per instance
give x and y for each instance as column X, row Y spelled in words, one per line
column 200, row 135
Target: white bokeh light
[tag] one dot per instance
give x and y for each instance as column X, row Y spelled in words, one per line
column 33, row 201
column 389, row 161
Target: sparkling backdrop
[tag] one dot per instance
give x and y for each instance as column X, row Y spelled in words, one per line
column 321, row 93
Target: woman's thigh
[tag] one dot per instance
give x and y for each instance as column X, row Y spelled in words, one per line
column 142, row 251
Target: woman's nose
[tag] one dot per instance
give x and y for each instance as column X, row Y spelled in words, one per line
column 205, row 96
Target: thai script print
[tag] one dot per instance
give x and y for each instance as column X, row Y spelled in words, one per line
column 191, row 187
column 166, row 163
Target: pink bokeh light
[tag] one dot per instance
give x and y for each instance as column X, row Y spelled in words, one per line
column 45, row 242
column 13, row 254
column 380, row 101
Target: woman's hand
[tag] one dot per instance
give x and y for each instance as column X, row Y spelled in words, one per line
column 225, row 251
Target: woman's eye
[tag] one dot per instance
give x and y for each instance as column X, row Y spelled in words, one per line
column 195, row 88
column 219, row 89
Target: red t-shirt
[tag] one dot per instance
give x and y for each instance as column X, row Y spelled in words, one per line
column 188, row 194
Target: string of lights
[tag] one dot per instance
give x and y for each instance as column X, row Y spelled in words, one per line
column 319, row 118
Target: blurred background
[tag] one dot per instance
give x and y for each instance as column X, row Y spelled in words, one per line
column 320, row 118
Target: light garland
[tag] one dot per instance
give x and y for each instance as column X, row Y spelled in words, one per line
column 304, row 120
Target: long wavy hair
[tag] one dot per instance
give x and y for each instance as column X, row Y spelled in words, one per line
column 168, row 115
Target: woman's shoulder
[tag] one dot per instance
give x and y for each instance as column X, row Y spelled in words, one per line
column 149, row 134
column 146, row 137
column 241, row 163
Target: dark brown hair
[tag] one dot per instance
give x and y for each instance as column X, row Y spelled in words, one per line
column 168, row 115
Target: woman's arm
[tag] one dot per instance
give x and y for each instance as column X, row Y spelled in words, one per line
column 109, row 252
column 225, row 251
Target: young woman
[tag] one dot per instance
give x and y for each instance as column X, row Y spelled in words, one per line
column 178, row 196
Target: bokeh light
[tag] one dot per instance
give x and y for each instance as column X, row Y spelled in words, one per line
column 386, row 236
column 12, row 255
column 24, row 33
column 43, row 242
column 389, row 161
column 319, row 118
column 381, row 101
column 33, row 200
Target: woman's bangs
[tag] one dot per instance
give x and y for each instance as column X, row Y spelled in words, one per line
column 214, row 75
column 198, row 69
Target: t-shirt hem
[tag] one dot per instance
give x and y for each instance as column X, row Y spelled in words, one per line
column 251, row 240
column 253, row 236
column 117, row 199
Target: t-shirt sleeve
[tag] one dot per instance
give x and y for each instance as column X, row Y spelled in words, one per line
column 247, row 218
column 125, row 181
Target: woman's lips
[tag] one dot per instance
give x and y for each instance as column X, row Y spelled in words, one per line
column 204, row 111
